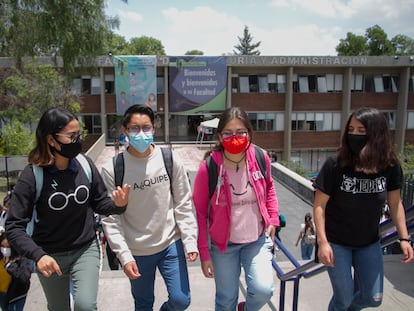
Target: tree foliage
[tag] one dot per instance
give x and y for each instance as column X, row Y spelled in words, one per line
column 194, row 52
column 352, row 45
column 71, row 29
column 143, row 46
column 16, row 139
column 26, row 93
column 246, row 46
column 375, row 42
column 407, row 159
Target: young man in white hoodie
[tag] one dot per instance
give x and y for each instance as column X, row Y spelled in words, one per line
column 158, row 229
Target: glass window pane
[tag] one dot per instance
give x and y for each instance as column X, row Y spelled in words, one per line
column 303, row 84
column 358, row 82
column 338, row 82
column 410, row 120
column 327, row 121
column 263, row 87
column 281, row 83
column 379, row 84
column 336, row 121
column 244, row 84
column 322, row 87
column 280, row 121
column 330, row 82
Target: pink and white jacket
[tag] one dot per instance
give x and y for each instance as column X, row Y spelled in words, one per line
column 215, row 221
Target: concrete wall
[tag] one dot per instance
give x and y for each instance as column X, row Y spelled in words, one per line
column 296, row 183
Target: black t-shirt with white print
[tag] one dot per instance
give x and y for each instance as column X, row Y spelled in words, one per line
column 353, row 210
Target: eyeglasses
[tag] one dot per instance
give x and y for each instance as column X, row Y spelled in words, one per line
column 134, row 130
column 72, row 136
column 228, row 134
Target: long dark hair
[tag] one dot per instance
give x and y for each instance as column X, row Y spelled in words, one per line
column 51, row 122
column 226, row 116
column 378, row 152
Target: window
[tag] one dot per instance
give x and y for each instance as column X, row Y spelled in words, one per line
column 316, row 121
column 109, row 84
column 92, row 123
column 95, row 86
column 390, row 116
column 244, row 84
column 356, row 82
column 381, row 83
column 267, row 122
column 160, row 85
column 77, row 87
column 410, row 120
column 319, row 83
column 263, row 85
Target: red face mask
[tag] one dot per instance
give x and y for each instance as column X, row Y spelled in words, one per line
column 235, row 144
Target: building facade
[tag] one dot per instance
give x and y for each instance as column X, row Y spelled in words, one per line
column 297, row 104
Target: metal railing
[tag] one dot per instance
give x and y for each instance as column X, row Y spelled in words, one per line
column 388, row 235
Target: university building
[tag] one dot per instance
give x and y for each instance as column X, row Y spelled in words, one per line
column 298, row 105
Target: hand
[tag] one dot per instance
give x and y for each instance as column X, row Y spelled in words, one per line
column 131, row 270
column 407, row 250
column 47, row 265
column 120, row 195
column 325, row 254
column 207, row 268
column 271, row 231
column 192, row 256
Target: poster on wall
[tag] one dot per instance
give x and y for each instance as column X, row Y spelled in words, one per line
column 197, row 83
column 135, row 81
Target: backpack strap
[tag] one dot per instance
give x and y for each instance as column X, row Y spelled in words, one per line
column 260, row 160
column 38, row 174
column 85, row 166
column 168, row 162
column 212, row 175
column 118, row 162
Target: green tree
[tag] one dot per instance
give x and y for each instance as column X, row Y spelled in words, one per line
column 194, row 52
column 144, row 46
column 403, row 45
column 407, row 159
column 245, row 46
column 377, row 41
column 16, row 139
column 352, row 45
column 26, row 93
column 71, row 29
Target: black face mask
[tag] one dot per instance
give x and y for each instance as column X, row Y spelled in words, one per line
column 70, row 150
column 356, row 142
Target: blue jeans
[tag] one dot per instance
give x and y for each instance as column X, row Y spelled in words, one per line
column 82, row 267
column 172, row 265
column 366, row 289
column 306, row 250
column 18, row 305
column 256, row 259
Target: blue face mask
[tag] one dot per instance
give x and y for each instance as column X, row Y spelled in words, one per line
column 141, row 142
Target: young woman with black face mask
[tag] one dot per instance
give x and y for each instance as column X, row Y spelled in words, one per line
column 63, row 244
column 351, row 190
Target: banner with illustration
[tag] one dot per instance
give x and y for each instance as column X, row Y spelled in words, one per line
column 135, row 81
column 197, row 83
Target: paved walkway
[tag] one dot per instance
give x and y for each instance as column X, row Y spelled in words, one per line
column 314, row 292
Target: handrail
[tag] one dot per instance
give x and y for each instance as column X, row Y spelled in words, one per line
column 308, row 269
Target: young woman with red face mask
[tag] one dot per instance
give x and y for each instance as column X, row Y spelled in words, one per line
column 241, row 219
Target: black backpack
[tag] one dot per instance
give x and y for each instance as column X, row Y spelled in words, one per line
column 118, row 162
column 213, row 175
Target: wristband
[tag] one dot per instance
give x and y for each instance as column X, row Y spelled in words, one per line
column 406, row 240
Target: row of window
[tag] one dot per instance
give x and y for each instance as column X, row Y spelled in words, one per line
column 269, row 83
column 273, row 121
column 321, row 83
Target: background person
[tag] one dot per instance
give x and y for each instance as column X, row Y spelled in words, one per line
column 64, row 243
column 307, row 238
column 242, row 220
column 351, row 190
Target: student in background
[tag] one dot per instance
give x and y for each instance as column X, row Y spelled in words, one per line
column 307, row 237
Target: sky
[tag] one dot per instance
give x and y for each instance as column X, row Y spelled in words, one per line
column 284, row 27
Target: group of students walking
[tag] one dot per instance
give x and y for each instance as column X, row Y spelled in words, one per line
column 150, row 223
